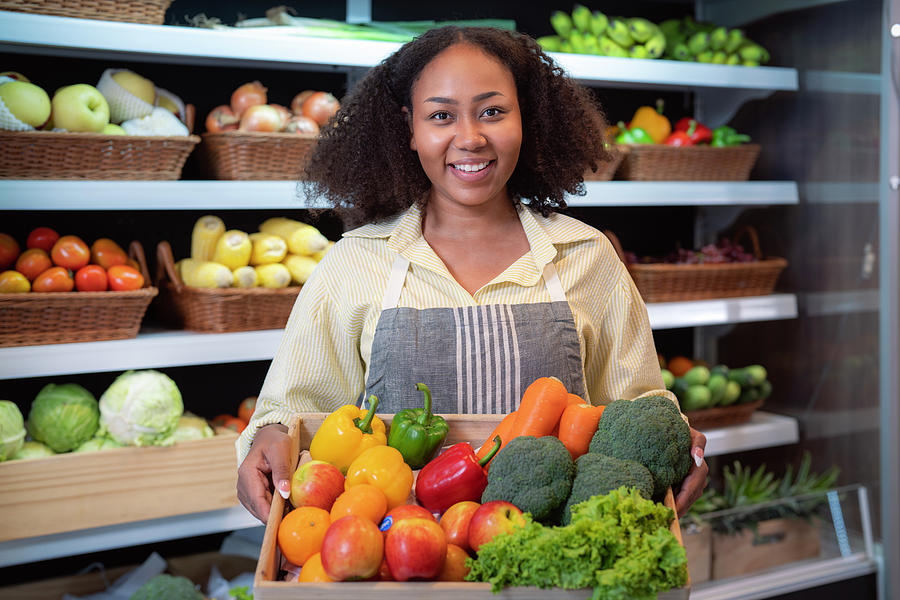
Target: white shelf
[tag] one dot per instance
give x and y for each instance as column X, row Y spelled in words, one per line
column 782, row 581
column 35, row 549
column 147, row 351
column 226, row 195
column 61, row 36
column 764, row 430
column 670, row 315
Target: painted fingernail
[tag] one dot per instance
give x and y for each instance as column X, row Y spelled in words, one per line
column 284, row 488
column 698, row 456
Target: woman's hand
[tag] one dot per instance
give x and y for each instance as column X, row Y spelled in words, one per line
column 265, row 463
column 693, row 484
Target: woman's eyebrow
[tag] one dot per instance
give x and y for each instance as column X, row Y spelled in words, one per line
column 478, row 98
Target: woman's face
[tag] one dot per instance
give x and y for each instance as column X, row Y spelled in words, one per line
column 466, row 126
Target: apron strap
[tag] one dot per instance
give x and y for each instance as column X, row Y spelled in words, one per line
column 391, row 296
column 554, row 285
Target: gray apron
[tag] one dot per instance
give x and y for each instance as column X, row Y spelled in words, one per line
column 474, row 359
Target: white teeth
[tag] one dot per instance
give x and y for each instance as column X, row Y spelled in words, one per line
column 471, row 168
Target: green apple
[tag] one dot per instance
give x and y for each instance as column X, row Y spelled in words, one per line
column 15, row 75
column 113, row 129
column 26, row 101
column 136, row 85
column 80, row 107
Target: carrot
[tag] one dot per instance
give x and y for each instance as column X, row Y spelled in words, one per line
column 577, row 426
column 502, row 429
column 571, row 399
column 542, row 404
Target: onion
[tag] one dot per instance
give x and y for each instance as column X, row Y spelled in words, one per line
column 320, row 106
column 249, row 94
column 221, row 118
column 284, row 112
column 302, row 125
column 297, row 102
column 261, row 117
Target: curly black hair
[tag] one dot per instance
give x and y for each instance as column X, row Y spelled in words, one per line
column 365, row 171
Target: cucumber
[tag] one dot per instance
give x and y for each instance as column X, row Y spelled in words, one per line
column 716, row 385
column 698, row 375
column 696, row 397
column 719, row 370
column 756, row 373
column 750, row 394
column 679, row 388
column 732, row 393
column 668, row 378
column 764, row 389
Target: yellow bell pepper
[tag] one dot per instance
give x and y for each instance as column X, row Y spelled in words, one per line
column 346, row 433
column 383, row 467
column 653, row 121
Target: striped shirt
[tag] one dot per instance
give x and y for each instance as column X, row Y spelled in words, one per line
column 322, row 361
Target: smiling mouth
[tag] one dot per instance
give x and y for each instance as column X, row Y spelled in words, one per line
column 472, row 168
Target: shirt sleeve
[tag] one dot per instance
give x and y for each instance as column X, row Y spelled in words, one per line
column 628, row 364
column 317, row 366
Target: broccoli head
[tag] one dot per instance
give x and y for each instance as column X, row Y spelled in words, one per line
column 533, row 473
column 648, row 430
column 167, row 587
column 600, row 474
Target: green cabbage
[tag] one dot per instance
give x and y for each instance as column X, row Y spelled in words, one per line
column 12, row 429
column 63, row 416
column 98, row 443
column 141, row 408
column 192, row 427
column 32, row 449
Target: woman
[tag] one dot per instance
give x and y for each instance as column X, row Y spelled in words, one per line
column 455, row 152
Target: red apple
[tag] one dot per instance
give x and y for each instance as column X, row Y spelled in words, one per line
column 352, row 549
column 455, row 523
column 493, row 518
column 316, row 483
column 404, row 511
column 415, row 549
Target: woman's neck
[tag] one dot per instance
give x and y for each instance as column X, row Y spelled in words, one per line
column 441, row 220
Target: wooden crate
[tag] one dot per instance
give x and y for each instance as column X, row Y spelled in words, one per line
column 463, row 428
column 777, row 542
column 75, row 491
column 698, row 547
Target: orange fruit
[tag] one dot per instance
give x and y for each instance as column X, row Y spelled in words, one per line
column 454, row 568
column 679, row 365
column 313, row 571
column 301, row 533
column 364, row 500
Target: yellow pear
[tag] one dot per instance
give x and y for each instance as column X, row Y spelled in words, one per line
column 136, row 85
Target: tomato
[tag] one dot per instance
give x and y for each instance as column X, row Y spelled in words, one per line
column 123, row 278
column 235, row 424
column 13, row 282
column 43, row 238
column 54, row 279
column 9, row 250
column 219, row 420
column 33, row 262
column 91, row 278
column 246, row 408
column 106, row 253
column 70, row 252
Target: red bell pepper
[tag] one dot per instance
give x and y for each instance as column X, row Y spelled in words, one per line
column 701, row 134
column 455, row 475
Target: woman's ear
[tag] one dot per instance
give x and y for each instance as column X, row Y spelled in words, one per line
column 412, row 138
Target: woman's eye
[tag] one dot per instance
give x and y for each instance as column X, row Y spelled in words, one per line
column 440, row 116
column 492, row 112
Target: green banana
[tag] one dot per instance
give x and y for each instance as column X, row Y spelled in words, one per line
column 753, row 51
column 550, row 43
column 638, row 51
column 610, row 48
column 698, row 42
column 599, row 23
column 735, row 39
column 656, row 45
column 591, row 44
column 718, row 37
column 578, row 43
column 733, row 59
column 670, row 27
column 617, row 31
column 719, row 57
column 581, row 18
column 750, row 63
column 640, row 29
column 704, row 57
column 680, row 52
column 561, row 23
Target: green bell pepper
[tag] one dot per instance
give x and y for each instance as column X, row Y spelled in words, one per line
column 727, row 136
column 417, row 433
column 635, row 135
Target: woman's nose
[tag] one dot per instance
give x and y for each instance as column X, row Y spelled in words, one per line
column 469, row 135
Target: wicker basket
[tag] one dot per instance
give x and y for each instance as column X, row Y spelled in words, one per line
column 152, row 12
column 54, row 155
column 658, row 162
column 606, row 170
column 252, row 155
column 35, row 318
column 663, row 282
column 218, row 310
column 722, row 416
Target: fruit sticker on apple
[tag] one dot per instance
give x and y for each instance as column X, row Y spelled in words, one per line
column 491, row 519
